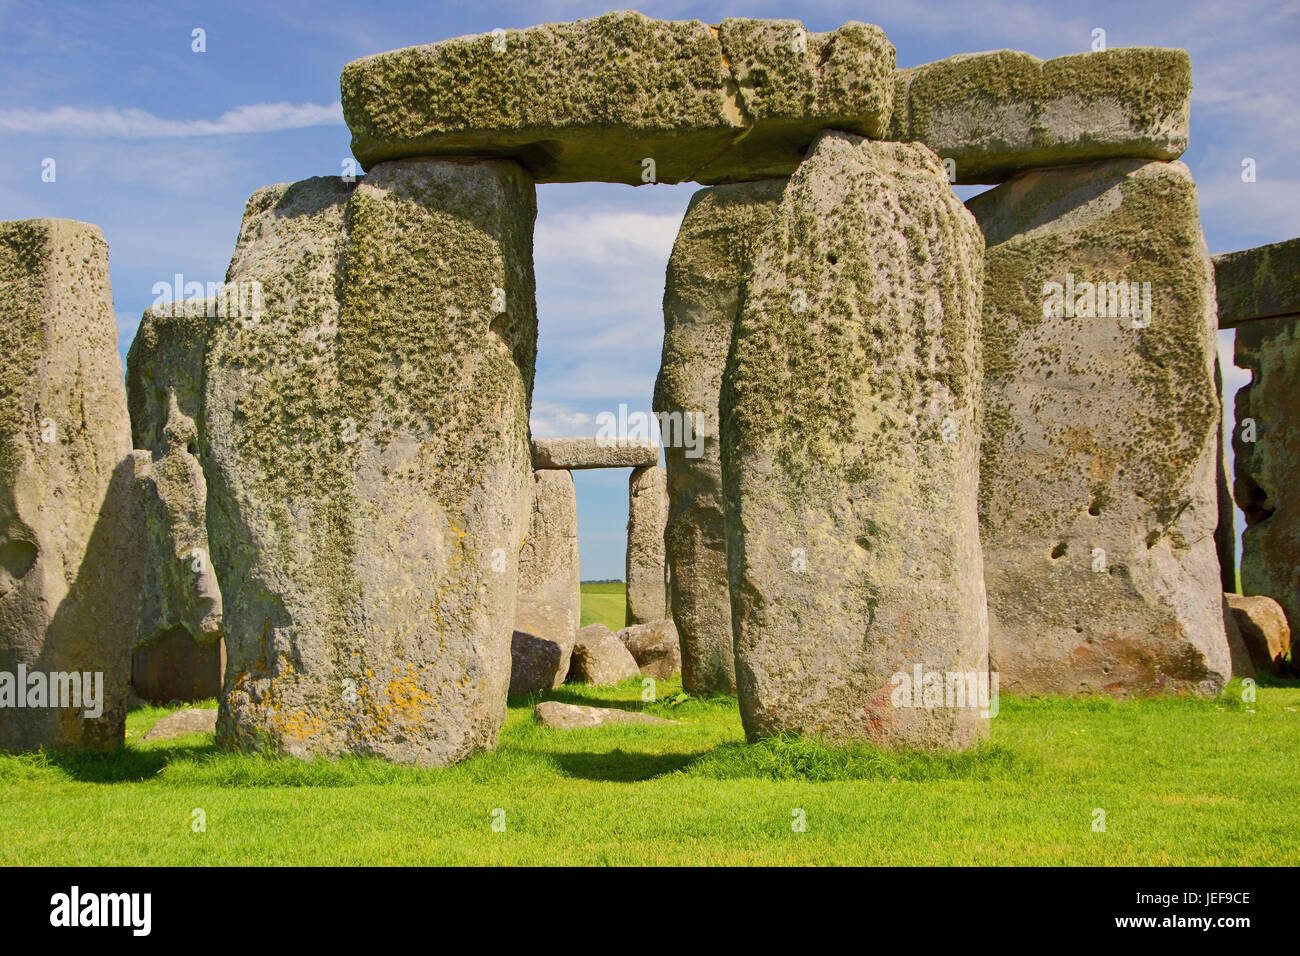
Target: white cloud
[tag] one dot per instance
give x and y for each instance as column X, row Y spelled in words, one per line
column 606, row 237
column 117, row 123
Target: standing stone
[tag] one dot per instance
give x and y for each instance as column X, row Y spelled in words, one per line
column 548, row 562
column 715, row 245
column 647, row 513
column 1225, row 531
column 70, row 554
column 1098, row 503
column 1267, row 484
column 368, row 461
column 180, row 602
column 849, row 452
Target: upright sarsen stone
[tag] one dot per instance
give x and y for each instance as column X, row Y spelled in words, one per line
column 849, row 452
column 715, row 246
column 368, row 461
column 1098, row 499
column 1266, row 442
column 70, row 559
column 647, row 512
column 548, row 560
column 164, row 381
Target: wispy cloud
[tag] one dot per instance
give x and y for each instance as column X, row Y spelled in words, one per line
column 117, row 123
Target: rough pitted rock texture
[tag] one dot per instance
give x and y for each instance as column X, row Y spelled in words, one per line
column 996, row 114
column 581, row 453
column 715, row 245
column 541, row 646
column 548, row 562
column 164, row 382
column 1264, row 631
column 600, row 658
column 851, row 533
column 589, row 100
column 558, row 716
column 181, row 723
column 1267, row 483
column 655, row 648
column 367, row 461
column 1242, row 663
column 1097, row 483
column 70, row 549
column 647, row 513
column 1258, row 283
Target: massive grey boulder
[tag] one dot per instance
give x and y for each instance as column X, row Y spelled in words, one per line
column 70, row 550
column 1098, row 502
column 367, row 461
column 1258, row 283
column 541, row 646
column 647, row 513
column 715, row 246
column 592, row 99
column 995, row 114
column 164, row 381
column 849, row 452
column 548, row 561
column 1266, row 442
column 655, row 647
column 582, row 453
column 600, row 658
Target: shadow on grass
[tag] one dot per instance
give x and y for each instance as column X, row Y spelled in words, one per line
column 621, row 766
column 124, row 765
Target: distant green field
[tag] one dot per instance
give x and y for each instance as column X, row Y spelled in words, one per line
column 604, row 602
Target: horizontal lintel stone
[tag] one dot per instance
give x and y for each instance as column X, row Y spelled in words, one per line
column 578, row 453
column 1258, row 283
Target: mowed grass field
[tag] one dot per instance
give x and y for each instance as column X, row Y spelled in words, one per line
column 604, row 602
column 1180, row 781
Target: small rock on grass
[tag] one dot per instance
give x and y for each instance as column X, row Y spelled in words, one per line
column 552, row 713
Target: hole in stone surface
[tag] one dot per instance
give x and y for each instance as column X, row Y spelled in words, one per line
column 832, row 258
column 17, row 557
column 1094, row 507
column 1059, row 550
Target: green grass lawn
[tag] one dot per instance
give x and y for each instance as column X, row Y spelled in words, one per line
column 1180, row 780
column 605, row 603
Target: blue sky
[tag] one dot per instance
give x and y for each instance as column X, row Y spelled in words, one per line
column 160, row 146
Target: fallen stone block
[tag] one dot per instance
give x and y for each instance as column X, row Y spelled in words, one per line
column 1242, row 663
column 600, row 658
column 181, row 723
column 991, row 115
column 558, row 716
column 540, row 647
column 655, row 647
column 1264, row 631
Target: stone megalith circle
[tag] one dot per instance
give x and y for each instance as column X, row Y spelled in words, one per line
column 1098, row 515
column 368, row 461
column 70, row 548
column 849, row 455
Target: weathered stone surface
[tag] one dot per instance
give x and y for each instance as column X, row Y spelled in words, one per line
column 1225, row 531
column 1267, row 482
column 558, row 716
column 541, row 646
column 600, row 658
column 176, row 667
column 1258, row 283
column 367, row 461
column 164, row 382
column 1264, row 631
column 996, row 114
column 581, row 453
column 181, row 723
column 851, row 533
column 647, row 513
column 70, row 550
column 655, row 648
column 1098, row 502
column 589, row 100
column 714, row 248
column 1238, row 652
column 548, row 562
